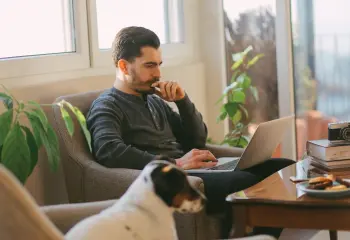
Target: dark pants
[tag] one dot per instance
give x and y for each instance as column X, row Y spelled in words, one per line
column 219, row 185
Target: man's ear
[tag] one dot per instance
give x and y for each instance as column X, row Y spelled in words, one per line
column 123, row 66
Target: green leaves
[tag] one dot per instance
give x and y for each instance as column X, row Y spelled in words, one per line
column 236, row 94
column 50, row 143
column 16, row 154
column 67, row 120
column 81, row 119
column 254, row 60
column 32, row 147
column 231, row 108
column 5, row 124
column 39, row 112
column 19, row 145
column 45, row 136
column 7, row 100
column 238, row 97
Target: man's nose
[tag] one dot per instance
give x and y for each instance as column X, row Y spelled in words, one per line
column 156, row 72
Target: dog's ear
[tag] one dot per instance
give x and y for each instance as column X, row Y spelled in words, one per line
column 168, row 182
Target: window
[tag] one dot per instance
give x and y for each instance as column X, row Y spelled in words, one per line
column 164, row 17
column 59, row 36
column 321, row 53
column 40, row 36
column 35, row 27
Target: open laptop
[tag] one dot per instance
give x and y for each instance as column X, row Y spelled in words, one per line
column 259, row 149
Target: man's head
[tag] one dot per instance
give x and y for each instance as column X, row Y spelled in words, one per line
column 137, row 56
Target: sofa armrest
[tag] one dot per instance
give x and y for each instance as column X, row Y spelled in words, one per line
column 65, row 216
column 224, row 151
column 103, row 183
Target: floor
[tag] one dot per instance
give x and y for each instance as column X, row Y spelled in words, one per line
column 299, row 234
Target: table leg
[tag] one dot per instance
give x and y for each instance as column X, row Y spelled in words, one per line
column 239, row 221
column 333, row 235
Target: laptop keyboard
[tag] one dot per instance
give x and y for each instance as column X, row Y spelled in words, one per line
column 226, row 166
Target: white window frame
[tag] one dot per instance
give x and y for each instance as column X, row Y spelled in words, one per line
column 172, row 53
column 51, row 63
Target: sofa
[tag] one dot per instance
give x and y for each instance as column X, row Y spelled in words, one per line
column 22, row 219
column 87, row 181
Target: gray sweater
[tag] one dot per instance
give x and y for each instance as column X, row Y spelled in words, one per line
column 130, row 131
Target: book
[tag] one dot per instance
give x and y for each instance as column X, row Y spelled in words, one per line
column 325, row 150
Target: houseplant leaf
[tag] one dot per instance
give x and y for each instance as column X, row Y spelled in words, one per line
column 39, row 112
column 247, row 50
column 7, row 100
column 237, row 64
column 46, row 138
column 16, row 154
column 254, row 92
column 36, row 127
column 82, row 121
column 237, row 117
column 230, row 87
column 50, row 143
column 32, row 147
column 254, row 60
column 67, row 120
column 246, row 82
column 5, row 124
column 231, row 108
column 242, row 142
column 238, row 97
column 244, row 110
column 221, row 117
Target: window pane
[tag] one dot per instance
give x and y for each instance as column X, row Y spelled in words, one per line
column 321, row 52
column 252, row 23
column 164, row 17
column 35, row 27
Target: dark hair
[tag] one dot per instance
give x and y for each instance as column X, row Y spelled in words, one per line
column 128, row 42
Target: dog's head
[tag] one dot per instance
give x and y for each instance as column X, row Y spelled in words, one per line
column 170, row 183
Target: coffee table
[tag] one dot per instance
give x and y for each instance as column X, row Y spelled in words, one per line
column 276, row 202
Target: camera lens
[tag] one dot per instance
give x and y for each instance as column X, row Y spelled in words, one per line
column 346, row 133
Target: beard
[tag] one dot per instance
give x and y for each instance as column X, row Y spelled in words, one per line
column 143, row 87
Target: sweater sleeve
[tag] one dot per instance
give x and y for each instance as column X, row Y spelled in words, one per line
column 187, row 125
column 105, row 123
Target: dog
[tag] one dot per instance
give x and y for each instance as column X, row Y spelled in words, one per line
column 145, row 211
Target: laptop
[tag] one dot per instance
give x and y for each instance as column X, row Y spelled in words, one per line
column 259, row 149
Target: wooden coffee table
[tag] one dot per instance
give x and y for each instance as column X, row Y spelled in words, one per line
column 276, row 202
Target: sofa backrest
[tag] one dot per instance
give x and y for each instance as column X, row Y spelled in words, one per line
column 74, row 150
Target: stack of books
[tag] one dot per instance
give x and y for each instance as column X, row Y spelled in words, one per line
column 329, row 157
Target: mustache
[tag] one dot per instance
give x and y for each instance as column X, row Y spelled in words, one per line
column 154, row 80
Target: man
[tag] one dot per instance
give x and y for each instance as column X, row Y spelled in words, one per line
column 131, row 124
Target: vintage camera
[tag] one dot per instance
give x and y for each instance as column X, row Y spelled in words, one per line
column 339, row 132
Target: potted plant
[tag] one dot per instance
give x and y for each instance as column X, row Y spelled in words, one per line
column 19, row 144
column 234, row 98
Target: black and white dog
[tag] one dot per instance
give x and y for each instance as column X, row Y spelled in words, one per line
column 145, row 211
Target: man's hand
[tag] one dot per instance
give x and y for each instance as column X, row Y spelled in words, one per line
column 197, row 159
column 169, row 91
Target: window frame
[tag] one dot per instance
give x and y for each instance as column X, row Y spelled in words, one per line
column 55, row 62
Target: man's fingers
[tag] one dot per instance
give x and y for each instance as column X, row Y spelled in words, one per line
column 198, row 164
column 168, row 90
column 204, row 155
column 174, row 87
